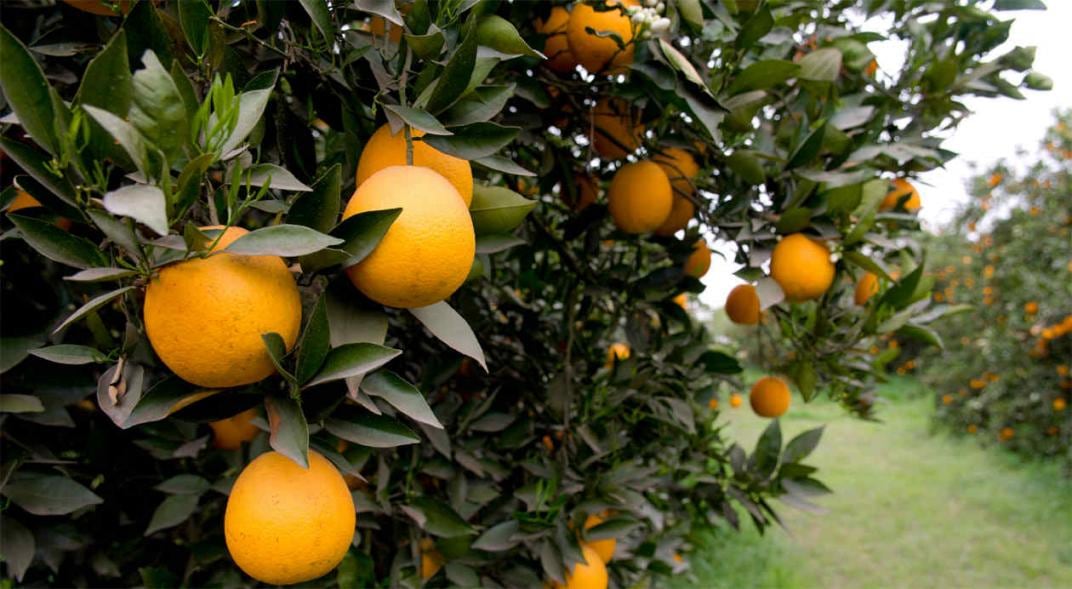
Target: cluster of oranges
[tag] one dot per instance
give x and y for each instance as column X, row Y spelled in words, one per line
column 1047, row 334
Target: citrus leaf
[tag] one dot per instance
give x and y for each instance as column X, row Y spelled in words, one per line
column 808, row 149
column 163, row 399
column 418, row 119
column 172, row 511
column 289, row 432
column 91, row 306
column 117, row 394
column 100, row 275
column 454, row 80
column 35, row 164
column 49, row 495
column 755, row 28
column 27, row 91
column 321, row 16
column 315, row 343
column 20, row 404
column 71, row 354
column 401, row 395
column 275, row 177
column 474, row 141
column 499, row 537
column 250, row 109
column 141, row 202
column 194, row 16
column 158, row 111
column 499, row 34
column 763, row 74
column 802, row 445
column 479, row 105
column 352, row 360
column 184, row 484
column 451, row 328
column 16, row 546
column 319, row 208
column 282, row 240
column 120, row 232
column 373, row 431
column 125, row 134
column 58, row 245
column 497, row 210
column 504, row 165
column 490, row 244
column 440, row 519
column 360, row 233
column 821, row 65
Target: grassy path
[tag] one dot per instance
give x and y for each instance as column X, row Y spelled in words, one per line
column 911, row 508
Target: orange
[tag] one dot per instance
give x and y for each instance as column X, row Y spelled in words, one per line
column 735, row 400
column 618, row 351
column 742, row 305
column 23, row 200
column 769, row 397
column 699, row 261
column 379, row 26
column 431, row 559
column 556, row 47
column 617, row 132
column 1031, row 307
column 1006, row 434
column 681, row 212
column 100, row 7
column 285, row 524
column 866, row 288
column 639, row 197
column 428, row 251
column 972, row 428
column 682, row 300
column 872, row 67
column 802, row 267
column 597, row 53
column 205, row 316
column 590, row 574
column 1059, row 404
column 680, row 167
column 228, row 434
column 604, row 548
column 901, row 188
column 385, row 149
column 712, row 404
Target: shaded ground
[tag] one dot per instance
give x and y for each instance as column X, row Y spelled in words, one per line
column 911, row 508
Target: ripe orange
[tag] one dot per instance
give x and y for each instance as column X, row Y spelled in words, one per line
column 385, row 149
column 428, row 251
column 866, row 287
column 556, row 47
column 285, row 524
column 23, row 200
column 618, row 351
column 901, row 188
column 639, row 197
column 431, row 559
column 681, row 169
column 1031, row 307
column 770, row 397
column 597, row 53
column 742, row 305
column 228, row 434
column 1059, row 404
column 380, row 26
column 1006, row 434
column 205, row 316
column 590, row 574
column 712, row 404
column 735, row 400
column 802, row 267
column 682, row 300
column 699, row 261
column 604, row 548
column 617, row 132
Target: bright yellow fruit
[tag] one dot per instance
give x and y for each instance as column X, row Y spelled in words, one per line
column 618, row 351
column 769, row 397
column 285, row 524
column 699, row 261
column 802, row 267
column 205, row 316
column 742, row 305
column 865, row 289
column 604, row 548
column 384, row 150
column 617, row 132
column 228, row 434
column 681, row 212
column 601, row 54
column 639, row 197
column 590, row 574
column 901, row 187
column 680, row 167
column 556, row 47
column 428, row 251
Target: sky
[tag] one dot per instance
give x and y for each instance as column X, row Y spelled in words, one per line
column 997, row 127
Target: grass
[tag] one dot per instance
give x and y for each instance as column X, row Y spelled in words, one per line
column 911, row 508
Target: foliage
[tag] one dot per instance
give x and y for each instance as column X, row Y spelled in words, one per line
column 1004, row 376
column 136, row 129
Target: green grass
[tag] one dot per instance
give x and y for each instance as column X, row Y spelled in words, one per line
column 911, row 508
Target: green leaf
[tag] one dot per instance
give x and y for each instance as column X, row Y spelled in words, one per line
column 72, row 354
column 361, row 233
column 172, row 511
column 14, row 350
column 1037, row 81
column 755, row 28
column 194, row 17
column 501, row 164
column 27, row 91
column 373, row 431
column 440, row 519
column 499, row 537
column 802, row 445
column 145, row 31
column 454, row 80
column 1019, row 5
column 497, row 210
column 163, row 399
column 321, row 16
column 451, row 328
column 16, row 545
column 58, row 245
column 821, row 65
column 858, row 259
column 808, row 149
column 107, row 84
column 900, row 295
column 93, row 304
column 745, row 164
column 691, row 12
column 352, row 360
column 250, row 110
column 719, row 362
column 499, row 34
column 793, row 220
column 184, row 484
column 803, row 374
column 479, row 106
column 35, row 164
column 418, row 119
column 125, row 134
column 277, row 351
column 282, row 240
column 765, row 457
column 384, row 8
column 120, row 232
column 275, row 177
column 763, row 74
column 923, row 334
column 288, row 430
column 141, row 202
column 401, row 395
column 158, row 111
column 100, row 275
column 319, row 208
column 474, row 141
column 118, row 391
column 315, row 343
column 49, row 495
column 20, row 404
column 680, row 63
column 491, row 244
column 351, row 321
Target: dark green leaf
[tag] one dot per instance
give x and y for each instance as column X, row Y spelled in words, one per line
column 58, row 245
column 418, row 119
column 454, row 80
column 765, row 457
column 451, row 328
column 499, row 537
column 251, row 106
column 490, row 244
column 172, row 511
column 289, row 432
column 501, row 164
column 755, row 28
column 361, row 233
column 763, row 74
column 315, row 343
column 1019, row 5
column 719, row 362
column 35, row 163
column 49, row 495
column 163, row 399
column 27, row 92
column 321, row 16
column 802, row 445
column 474, row 141
column 93, row 304
column 401, row 395
column 72, row 354
column 194, row 18
column 184, row 484
column 275, row 177
column 373, row 431
column 440, row 519
column 478, row 106
column 497, row 33
column 793, row 220
column 923, row 334
column 867, row 263
column 746, row 165
column 497, row 210
column 282, row 240
column 319, row 208
column 352, row 360
column 808, row 149
column 277, row 351
column 107, row 84
column 125, row 134
column 100, row 275
column 16, row 546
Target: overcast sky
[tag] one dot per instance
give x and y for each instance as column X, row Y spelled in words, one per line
column 997, row 127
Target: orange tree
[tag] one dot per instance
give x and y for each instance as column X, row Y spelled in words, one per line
column 233, row 229
column 1007, row 257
